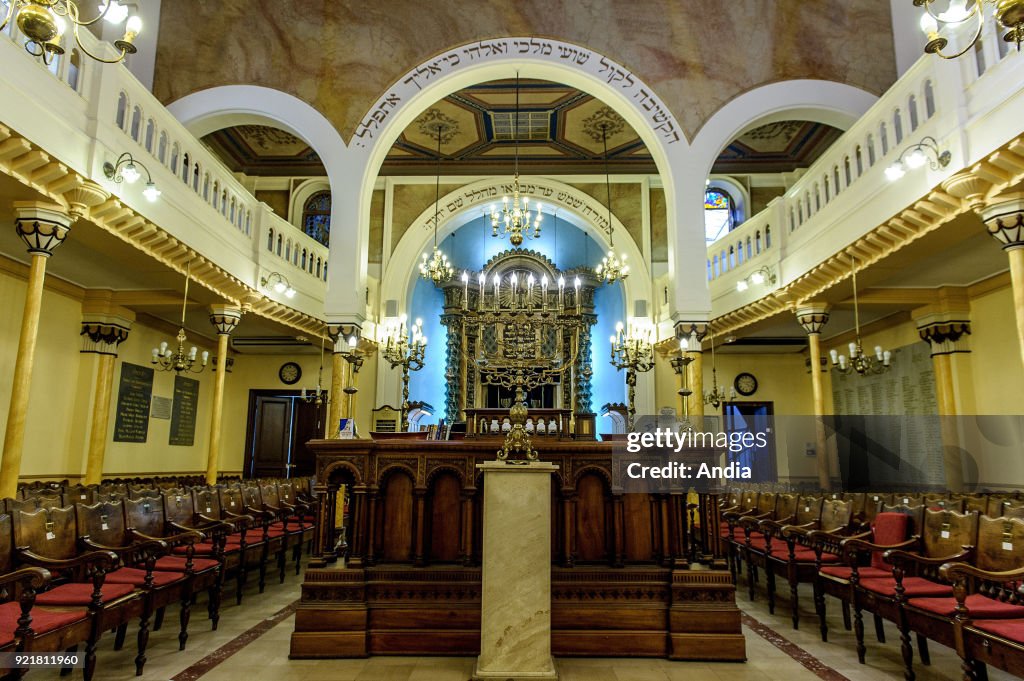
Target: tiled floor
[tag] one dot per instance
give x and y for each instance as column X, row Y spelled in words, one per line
column 265, row 658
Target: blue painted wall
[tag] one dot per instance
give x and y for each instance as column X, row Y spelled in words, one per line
column 469, row 248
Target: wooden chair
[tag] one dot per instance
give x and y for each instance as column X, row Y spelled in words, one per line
column 296, row 530
column 256, row 547
column 975, row 597
column 233, row 549
column 945, row 536
column 306, row 510
column 1009, row 508
column 275, row 536
column 759, row 529
column 47, row 538
column 730, row 528
column 203, row 572
column 890, row 529
column 102, row 527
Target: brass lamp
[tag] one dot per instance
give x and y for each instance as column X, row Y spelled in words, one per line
column 44, row 22
column 1008, row 13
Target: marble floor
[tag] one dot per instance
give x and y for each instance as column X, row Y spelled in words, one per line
column 252, row 645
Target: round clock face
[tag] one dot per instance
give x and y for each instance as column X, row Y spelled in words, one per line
column 290, row 373
column 745, row 384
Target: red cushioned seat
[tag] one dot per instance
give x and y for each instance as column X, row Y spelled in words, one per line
column 292, row 526
column 844, row 572
column 1008, row 629
column 43, row 620
column 914, row 587
column 888, row 529
column 177, row 564
column 137, row 577
column 80, row 594
column 977, row 605
column 312, row 519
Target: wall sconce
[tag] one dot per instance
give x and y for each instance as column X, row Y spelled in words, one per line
column 126, row 168
column 915, row 156
column 278, row 283
column 758, row 277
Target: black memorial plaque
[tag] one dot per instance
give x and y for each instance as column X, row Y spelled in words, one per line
column 183, row 412
column 133, row 397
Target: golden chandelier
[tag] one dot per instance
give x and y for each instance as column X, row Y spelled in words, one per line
column 515, row 218
column 613, row 267
column 436, row 267
column 44, row 22
column 1008, row 13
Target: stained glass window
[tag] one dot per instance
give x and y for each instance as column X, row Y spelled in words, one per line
column 316, row 217
column 717, row 214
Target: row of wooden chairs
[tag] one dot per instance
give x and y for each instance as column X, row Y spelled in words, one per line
column 85, row 568
column 947, row 572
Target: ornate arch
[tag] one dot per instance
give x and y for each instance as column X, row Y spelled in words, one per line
column 357, row 475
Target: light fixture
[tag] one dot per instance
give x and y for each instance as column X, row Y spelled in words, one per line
column 916, row 156
column 179, row 360
column 632, row 350
column 318, row 396
column 1008, row 13
column 858, row 361
column 436, row 267
column 126, row 169
column 278, row 283
column 717, row 396
column 613, row 267
column 757, row 278
column 515, row 218
column 44, row 22
column 404, row 347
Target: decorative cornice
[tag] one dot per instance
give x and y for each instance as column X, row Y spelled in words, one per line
column 691, row 329
column 812, row 316
column 102, row 334
column 83, row 197
column 946, row 337
column 1004, row 218
column 42, row 226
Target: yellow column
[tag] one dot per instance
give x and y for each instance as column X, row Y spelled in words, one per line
column 224, row 318
column 339, row 379
column 694, row 332
column 42, row 227
column 813, row 317
column 101, row 335
column 1004, row 218
column 946, row 333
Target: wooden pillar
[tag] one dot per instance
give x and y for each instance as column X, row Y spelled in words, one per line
column 618, row 532
column 102, row 332
column 946, row 333
column 1004, row 218
column 358, row 537
column 467, row 527
column 813, row 317
column 568, row 527
column 224, row 318
column 371, row 526
column 43, row 227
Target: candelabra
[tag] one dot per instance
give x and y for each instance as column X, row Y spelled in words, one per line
column 515, row 218
column 632, row 350
column 318, row 396
column 858, row 361
column 178, row 360
column 679, row 365
column 718, row 395
column 404, row 347
column 529, row 310
column 44, row 22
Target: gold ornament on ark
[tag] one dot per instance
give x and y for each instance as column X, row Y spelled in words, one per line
column 44, row 23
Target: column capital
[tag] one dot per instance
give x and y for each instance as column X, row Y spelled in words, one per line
column 340, row 333
column 83, row 197
column 225, row 318
column 690, row 329
column 969, row 187
column 102, row 333
column 812, row 316
column 42, row 226
column 1004, row 218
column 946, row 334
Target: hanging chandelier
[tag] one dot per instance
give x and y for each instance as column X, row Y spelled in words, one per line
column 857, row 361
column 515, row 218
column 44, row 22
column 613, row 267
column 178, row 360
column 436, row 267
column 717, row 396
column 1009, row 14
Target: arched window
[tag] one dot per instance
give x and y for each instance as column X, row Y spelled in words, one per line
column 122, row 110
column 74, row 67
column 859, row 155
column 279, row 244
column 846, row 170
column 136, row 129
column 150, row 134
column 161, row 150
column 912, row 108
column 929, row 97
column 828, row 190
column 316, row 217
column 270, row 239
column 897, row 125
column 883, row 137
column 303, row 258
column 871, row 150
column 718, row 215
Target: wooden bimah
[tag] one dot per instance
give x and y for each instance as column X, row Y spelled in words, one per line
column 404, row 577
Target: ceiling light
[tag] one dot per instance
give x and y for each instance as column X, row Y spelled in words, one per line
column 127, row 169
column 742, row 285
column 895, row 171
column 130, row 173
column 916, row 159
column 115, row 13
column 151, row 192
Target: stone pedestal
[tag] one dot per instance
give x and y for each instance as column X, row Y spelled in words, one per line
column 515, row 622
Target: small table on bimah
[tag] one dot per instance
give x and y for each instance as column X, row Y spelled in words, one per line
column 515, row 604
column 488, row 422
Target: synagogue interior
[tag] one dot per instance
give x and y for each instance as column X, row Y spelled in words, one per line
column 381, row 341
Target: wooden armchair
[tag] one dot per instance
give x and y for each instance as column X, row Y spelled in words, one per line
column 732, row 533
column 206, row 570
column 256, row 549
column 979, row 593
column 296, row 530
column 275, row 537
column 759, row 530
column 101, row 527
column 25, row 626
column 234, row 548
column 47, row 538
column 945, row 536
column 306, row 509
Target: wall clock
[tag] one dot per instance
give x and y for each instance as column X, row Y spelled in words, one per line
column 290, row 373
column 745, row 384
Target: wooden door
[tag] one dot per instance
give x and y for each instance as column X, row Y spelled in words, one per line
column 308, row 424
column 270, row 448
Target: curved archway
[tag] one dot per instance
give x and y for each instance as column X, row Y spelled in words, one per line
column 829, row 102
column 462, row 206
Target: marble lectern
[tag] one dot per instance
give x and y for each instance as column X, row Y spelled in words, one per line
column 515, row 631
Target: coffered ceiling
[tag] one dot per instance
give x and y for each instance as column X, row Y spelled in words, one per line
column 559, row 132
